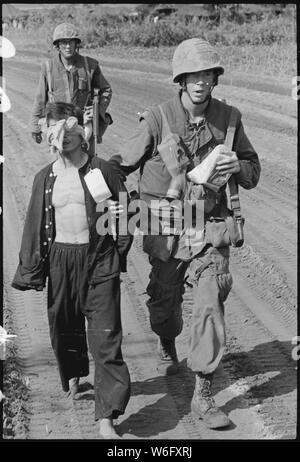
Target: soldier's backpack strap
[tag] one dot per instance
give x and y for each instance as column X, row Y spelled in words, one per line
column 88, row 73
column 231, row 127
column 232, row 184
column 49, row 81
column 89, row 79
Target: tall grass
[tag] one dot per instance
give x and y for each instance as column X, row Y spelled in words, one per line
column 266, row 47
column 276, row 60
column 100, row 29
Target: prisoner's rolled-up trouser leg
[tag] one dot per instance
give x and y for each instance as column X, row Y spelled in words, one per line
column 212, row 281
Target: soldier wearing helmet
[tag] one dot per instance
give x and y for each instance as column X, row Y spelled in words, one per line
column 65, row 31
column 70, row 77
column 197, row 125
column 196, row 56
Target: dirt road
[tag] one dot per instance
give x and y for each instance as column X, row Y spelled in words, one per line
column 256, row 384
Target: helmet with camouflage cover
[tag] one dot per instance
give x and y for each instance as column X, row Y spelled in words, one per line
column 195, row 55
column 65, row 31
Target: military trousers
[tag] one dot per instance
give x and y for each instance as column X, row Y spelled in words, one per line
column 208, row 274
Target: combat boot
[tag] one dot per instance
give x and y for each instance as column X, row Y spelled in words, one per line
column 204, row 406
column 167, row 357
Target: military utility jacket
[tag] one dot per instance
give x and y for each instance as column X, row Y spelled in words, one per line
column 154, row 179
column 106, row 257
column 69, row 86
column 199, row 139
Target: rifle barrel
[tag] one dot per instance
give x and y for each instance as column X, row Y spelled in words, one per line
column 96, row 103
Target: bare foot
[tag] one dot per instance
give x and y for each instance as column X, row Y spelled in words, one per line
column 107, row 430
column 73, row 387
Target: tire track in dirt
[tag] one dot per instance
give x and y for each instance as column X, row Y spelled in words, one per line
column 268, row 287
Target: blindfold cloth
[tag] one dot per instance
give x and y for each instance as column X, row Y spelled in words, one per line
column 56, row 132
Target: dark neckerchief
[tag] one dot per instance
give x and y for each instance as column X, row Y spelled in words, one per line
column 193, row 126
column 193, row 138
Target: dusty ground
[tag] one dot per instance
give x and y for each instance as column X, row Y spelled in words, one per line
column 256, row 384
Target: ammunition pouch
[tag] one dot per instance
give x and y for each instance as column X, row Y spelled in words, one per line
column 223, row 232
column 172, row 153
column 175, row 156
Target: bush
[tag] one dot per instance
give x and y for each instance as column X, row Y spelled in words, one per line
column 99, row 28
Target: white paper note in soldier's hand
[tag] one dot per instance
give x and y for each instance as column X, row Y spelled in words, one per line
column 206, row 172
column 97, row 185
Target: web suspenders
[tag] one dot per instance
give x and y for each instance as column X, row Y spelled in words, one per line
column 66, row 82
column 87, row 70
column 50, row 92
column 89, row 80
column 231, row 128
column 232, row 185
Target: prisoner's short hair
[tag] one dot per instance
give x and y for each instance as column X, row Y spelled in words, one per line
column 61, row 110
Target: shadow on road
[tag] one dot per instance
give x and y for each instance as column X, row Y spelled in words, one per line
column 265, row 358
column 158, row 417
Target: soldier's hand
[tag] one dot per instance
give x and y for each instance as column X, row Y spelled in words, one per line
column 88, row 114
column 230, row 164
column 134, row 195
column 114, row 161
column 37, row 137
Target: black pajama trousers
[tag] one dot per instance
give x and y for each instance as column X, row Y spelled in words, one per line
column 70, row 300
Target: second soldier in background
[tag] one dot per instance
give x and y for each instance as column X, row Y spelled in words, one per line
column 71, row 78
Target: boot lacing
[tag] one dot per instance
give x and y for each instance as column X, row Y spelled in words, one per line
column 205, row 390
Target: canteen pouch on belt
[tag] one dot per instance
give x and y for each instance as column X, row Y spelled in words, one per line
column 222, row 232
column 216, row 233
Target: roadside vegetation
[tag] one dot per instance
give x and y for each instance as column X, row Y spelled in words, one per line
column 261, row 41
column 15, row 389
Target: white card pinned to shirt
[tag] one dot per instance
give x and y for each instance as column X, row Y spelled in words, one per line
column 97, row 185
